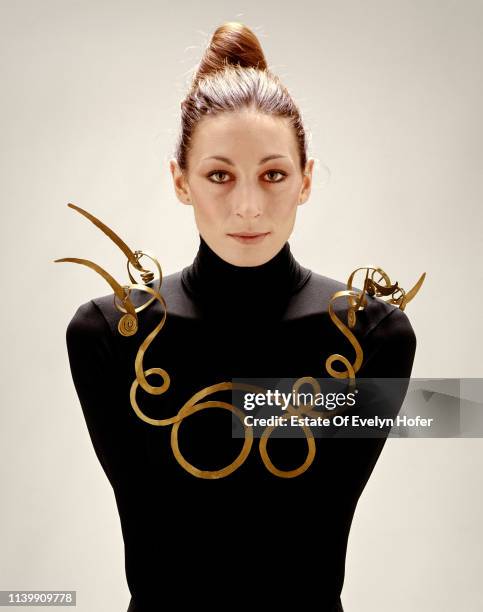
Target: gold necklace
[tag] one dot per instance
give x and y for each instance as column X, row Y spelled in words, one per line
column 128, row 326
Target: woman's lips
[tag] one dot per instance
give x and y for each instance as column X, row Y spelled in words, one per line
column 249, row 239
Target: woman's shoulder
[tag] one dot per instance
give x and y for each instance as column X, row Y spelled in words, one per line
column 100, row 315
column 383, row 330
column 87, row 320
column 87, row 328
column 319, row 293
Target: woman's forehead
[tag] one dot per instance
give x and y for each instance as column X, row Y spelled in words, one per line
column 232, row 135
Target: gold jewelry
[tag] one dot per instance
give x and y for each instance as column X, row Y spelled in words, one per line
column 128, row 326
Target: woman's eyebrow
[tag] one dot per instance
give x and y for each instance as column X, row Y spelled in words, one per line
column 230, row 163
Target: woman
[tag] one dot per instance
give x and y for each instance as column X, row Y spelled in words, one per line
column 244, row 308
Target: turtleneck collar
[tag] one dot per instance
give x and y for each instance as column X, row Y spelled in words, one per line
column 219, row 287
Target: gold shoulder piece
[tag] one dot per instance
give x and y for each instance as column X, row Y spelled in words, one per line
column 128, row 324
column 357, row 301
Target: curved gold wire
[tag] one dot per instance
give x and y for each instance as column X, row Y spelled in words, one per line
column 227, row 470
column 128, row 325
column 357, row 301
column 311, row 450
column 111, row 234
column 351, row 369
column 147, row 277
column 116, row 287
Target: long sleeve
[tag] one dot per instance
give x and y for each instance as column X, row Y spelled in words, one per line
column 389, row 351
column 382, row 381
column 98, row 381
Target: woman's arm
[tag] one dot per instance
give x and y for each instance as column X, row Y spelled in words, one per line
column 102, row 391
column 389, row 351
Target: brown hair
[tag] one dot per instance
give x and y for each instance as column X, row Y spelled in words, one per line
column 233, row 75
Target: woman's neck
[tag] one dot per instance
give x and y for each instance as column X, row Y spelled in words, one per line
column 224, row 289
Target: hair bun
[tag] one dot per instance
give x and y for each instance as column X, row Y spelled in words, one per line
column 231, row 77
column 232, row 43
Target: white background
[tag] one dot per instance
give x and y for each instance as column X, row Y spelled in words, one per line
column 392, row 95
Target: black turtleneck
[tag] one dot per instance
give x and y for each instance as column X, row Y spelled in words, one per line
column 217, row 539
column 218, row 286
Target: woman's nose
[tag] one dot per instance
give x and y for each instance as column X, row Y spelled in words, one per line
column 248, row 203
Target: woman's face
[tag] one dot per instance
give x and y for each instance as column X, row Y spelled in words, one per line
column 235, row 188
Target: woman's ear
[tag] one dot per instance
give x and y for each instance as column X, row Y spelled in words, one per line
column 180, row 183
column 306, row 182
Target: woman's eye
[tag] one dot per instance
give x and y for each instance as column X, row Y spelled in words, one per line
column 214, row 174
column 283, row 174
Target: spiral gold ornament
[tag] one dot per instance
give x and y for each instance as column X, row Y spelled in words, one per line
column 357, row 301
column 128, row 326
